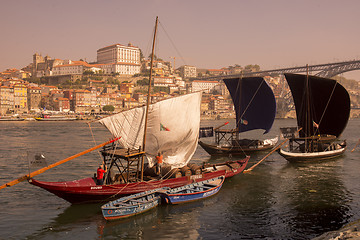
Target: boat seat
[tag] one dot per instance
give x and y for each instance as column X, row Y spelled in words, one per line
column 198, row 189
column 121, row 204
column 138, row 201
column 209, row 185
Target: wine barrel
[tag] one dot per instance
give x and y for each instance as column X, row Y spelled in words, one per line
column 176, row 173
column 185, row 171
column 195, row 169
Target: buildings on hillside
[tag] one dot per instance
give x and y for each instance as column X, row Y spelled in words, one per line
column 114, row 59
column 18, row 96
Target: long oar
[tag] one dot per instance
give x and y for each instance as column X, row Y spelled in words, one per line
column 41, row 170
column 356, row 146
column 253, row 166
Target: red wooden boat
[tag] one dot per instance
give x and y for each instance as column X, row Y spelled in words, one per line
column 86, row 191
column 170, row 127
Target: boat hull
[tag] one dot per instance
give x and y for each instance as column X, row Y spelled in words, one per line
column 215, row 150
column 86, row 190
column 131, row 205
column 55, row 119
column 192, row 195
column 12, row 119
column 312, row 156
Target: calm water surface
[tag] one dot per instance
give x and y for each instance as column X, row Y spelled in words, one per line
column 277, row 200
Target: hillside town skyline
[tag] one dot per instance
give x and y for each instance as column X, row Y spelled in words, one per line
column 118, row 78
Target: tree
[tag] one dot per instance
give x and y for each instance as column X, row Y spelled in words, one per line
column 143, row 82
column 88, row 72
column 108, row 108
column 215, row 92
column 250, row 67
column 161, row 89
column 155, row 58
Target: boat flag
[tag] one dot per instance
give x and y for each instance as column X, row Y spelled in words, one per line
column 163, row 128
column 315, row 124
column 242, row 121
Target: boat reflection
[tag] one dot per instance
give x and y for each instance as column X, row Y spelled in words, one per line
column 155, row 224
column 318, row 199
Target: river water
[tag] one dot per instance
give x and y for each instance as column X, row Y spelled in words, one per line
column 277, row 200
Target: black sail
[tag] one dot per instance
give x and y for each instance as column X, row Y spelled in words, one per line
column 254, row 103
column 322, row 105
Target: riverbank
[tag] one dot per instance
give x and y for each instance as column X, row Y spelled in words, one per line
column 355, row 115
column 349, row 231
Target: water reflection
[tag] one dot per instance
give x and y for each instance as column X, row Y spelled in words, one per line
column 277, row 200
column 163, row 222
column 245, row 197
column 316, row 197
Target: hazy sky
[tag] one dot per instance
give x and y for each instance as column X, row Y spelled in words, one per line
column 202, row 33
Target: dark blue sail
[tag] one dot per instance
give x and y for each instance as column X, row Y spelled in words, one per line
column 322, row 105
column 254, row 103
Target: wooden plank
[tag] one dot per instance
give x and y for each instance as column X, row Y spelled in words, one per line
column 252, row 167
column 356, row 146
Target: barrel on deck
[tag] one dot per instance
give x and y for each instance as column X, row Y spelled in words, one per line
column 195, row 169
column 185, row 171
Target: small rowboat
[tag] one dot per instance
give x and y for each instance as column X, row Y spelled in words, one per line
column 141, row 202
column 194, row 191
column 132, row 205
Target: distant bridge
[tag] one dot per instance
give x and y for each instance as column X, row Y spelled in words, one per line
column 285, row 102
column 323, row 70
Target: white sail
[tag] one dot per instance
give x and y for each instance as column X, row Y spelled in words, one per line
column 173, row 129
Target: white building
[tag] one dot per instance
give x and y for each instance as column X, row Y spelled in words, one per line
column 75, row 67
column 205, row 86
column 121, row 59
column 126, row 69
column 179, row 82
column 187, row 71
column 163, row 81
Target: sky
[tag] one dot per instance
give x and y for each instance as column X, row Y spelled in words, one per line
column 203, row 33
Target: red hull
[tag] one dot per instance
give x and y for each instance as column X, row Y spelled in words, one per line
column 86, row 191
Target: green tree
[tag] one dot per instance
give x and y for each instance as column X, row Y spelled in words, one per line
column 156, row 58
column 88, row 72
column 215, row 92
column 108, row 108
column 161, row 89
column 250, row 67
column 143, row 82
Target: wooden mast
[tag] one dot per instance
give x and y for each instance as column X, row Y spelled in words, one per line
column 307, row 106
column 148, row 98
